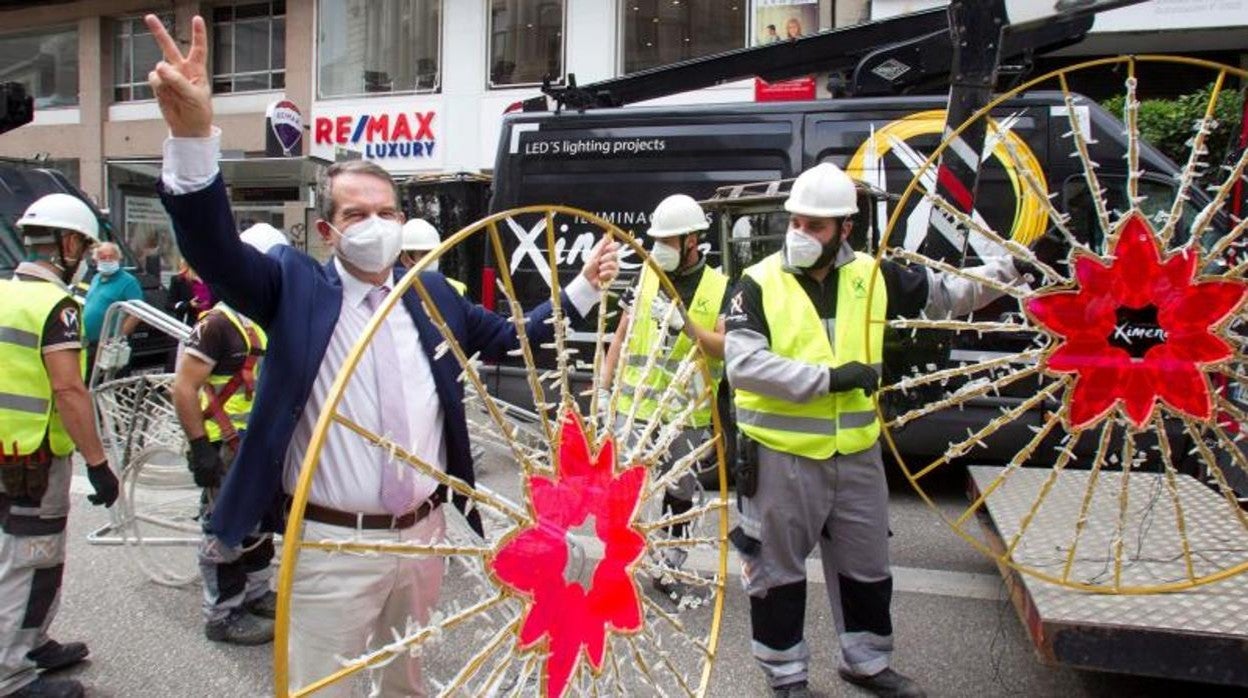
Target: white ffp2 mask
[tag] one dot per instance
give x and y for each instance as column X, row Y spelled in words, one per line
column 666, row 257
column 801, row 251
column 372, row 244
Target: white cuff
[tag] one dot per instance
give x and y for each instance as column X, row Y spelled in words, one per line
column 190, row 164
column 582, row 294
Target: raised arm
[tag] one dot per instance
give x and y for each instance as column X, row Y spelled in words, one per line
column 494, row 335
column 191, row 185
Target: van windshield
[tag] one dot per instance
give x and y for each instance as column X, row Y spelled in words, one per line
column 1156, row 200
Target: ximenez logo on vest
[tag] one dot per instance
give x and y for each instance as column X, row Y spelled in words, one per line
column 380, row 135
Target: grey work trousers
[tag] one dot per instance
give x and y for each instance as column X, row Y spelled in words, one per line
column 839, row 504
column 32, row 561
column 233, row 576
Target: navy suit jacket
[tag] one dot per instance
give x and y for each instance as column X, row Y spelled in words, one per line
column 297, row 301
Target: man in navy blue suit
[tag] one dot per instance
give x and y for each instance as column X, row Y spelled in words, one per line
column 401, row 388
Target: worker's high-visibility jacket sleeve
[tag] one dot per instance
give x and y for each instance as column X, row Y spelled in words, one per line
column 912, row 291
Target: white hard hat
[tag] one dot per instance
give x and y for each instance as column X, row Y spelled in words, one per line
column 263, row 237
column 676, row 215
column 823, row 191
column 420, row 236
column 64, row 212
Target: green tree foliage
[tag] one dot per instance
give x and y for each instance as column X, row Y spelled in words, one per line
column 1169, row 124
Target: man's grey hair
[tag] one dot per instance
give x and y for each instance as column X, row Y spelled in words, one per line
column 109, row 247
column 325, row 206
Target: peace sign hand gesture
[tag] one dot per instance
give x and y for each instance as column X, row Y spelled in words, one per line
column 181, row 82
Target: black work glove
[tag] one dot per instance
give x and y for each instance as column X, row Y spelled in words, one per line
column 854, row 374
column 105, row 484
column 205, row 463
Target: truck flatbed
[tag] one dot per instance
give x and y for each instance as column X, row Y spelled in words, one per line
column 1198, row 634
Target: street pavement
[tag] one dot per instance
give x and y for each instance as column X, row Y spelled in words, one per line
column 955, row 632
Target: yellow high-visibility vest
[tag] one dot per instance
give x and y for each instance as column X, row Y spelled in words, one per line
column 704, row 312
column 28, row 413
column 237, row 406
column 842, row 422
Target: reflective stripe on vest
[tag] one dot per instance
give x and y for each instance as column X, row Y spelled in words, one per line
column 703, row 312
column 458, row 286
column 836, row 423
column 238, row 402
column 27, row 411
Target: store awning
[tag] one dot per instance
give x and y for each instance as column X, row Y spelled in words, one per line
column 243, row 172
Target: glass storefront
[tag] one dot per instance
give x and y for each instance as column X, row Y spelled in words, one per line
column 378, row 46
column 657, row 32
column 45, row 62
column 526, row 42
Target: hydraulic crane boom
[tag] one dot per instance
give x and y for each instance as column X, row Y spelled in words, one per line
column 883, row 57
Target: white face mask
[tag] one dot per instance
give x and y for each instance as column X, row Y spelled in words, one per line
column 801, row 251
column 372, row 245
column 666, row 257
column 109, row 268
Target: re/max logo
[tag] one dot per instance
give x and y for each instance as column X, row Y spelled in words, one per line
column 383, row 135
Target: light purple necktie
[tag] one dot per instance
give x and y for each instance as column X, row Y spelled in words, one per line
column 398, row 493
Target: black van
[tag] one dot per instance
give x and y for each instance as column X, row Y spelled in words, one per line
column 619, row 163
column 22, row 182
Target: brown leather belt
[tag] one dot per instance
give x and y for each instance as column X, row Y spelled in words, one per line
column 348, row 519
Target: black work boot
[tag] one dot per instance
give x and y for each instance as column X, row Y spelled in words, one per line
column 797, row 689
column 240, row 629
column 44, row 687
column 52, row 655
column 886, row 684
column 263, row 606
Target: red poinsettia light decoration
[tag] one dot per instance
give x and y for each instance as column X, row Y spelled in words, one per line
column 533, row 561
column 1138, row 329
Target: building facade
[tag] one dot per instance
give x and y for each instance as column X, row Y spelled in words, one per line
column 420, row 86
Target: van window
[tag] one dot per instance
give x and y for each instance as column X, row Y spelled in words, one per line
column 1157, row 198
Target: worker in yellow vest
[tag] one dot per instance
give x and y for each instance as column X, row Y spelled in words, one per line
column 213, row 389
column 675, row 226
column 804, row 363
column 45, row 412
column 419, row 236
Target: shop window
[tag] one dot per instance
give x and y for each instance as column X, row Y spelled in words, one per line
column 658, row 32
column 248, row 47
column 135, row 54
column 46, row 62
column 526, row 42
column 378, row 46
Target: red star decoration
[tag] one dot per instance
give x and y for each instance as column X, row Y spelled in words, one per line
column 1138, row 329
column 533, row 560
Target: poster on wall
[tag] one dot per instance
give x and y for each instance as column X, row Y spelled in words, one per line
column 784, row 20
column 149, row 234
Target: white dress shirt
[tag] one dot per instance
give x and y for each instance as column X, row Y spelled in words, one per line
column 348, row 477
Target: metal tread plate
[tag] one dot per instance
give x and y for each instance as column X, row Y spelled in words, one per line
column 1200, row 633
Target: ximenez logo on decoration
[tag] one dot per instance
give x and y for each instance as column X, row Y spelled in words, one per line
column 380, row 135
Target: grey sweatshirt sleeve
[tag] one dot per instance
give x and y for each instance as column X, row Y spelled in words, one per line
column 950, row 295
column 749, row 361
column 752, row 366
